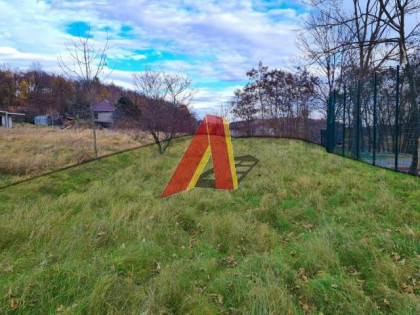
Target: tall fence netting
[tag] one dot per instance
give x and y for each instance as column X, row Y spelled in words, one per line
column 377, row 120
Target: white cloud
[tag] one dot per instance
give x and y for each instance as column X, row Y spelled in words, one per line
column 138, row 57
column 218, row 40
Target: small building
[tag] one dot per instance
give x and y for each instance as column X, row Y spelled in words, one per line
column 6, row 118
column 44, row 120
column 103, row 112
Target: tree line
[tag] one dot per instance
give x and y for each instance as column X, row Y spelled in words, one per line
column 276, row 102
column 36, row 92
column 341, row 43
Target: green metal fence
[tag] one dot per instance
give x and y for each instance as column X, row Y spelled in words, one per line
column 377, row 120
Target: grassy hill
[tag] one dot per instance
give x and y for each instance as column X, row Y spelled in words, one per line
column 304, row 232
column 27, row 150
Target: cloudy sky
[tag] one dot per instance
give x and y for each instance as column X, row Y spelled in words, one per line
column 214, row 42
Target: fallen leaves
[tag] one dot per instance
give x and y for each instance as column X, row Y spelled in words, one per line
column 156, row 267
column 351, row 270
column 218, row 299
column 8, row 268
column 60, row 309
column 305, row 307
column 398, row 258
column 364, row 241
column 242, row 249
column 413, row 279
column 14, row 304
column 308, row 226
column 229, row 261
column 253, row 277
column 395, row 256
column 409, row 289
column 302, row 274
column 200, row 289
column 410, row 231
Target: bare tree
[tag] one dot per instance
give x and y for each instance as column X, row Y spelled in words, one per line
column 179, row 88
column 256, row 75
column 316, row 41
column 288, row 100
column 395, row 17
column 243, row 107
column 355, row 37
column 85, row 64
column 378, row 32
column 223, row 110
column 167, row 97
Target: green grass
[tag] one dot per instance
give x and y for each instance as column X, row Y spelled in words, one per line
column 306, row 231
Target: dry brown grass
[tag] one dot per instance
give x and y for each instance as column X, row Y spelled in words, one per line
column 28, row 150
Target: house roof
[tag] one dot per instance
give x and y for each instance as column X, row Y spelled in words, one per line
column 104, row 106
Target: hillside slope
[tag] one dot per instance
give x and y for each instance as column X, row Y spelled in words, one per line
column 304, row 232
column 27, row 150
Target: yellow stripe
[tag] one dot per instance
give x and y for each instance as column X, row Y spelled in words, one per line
column 230, row 153
column 199, row 168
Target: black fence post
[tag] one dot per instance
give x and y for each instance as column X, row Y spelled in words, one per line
column 334, row 123
column 344, row 121
column 324, row 138
column 330, row 125
column 397, row 113
column 358, row 122
column 374, row 118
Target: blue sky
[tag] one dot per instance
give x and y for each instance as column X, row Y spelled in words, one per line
column 214, row 42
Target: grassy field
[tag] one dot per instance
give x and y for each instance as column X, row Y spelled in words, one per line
column 28, row 150
column 305, row 232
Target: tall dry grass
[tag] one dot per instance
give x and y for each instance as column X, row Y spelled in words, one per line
column 28, row 150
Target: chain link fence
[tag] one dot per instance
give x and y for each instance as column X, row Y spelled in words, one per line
column 377, row 120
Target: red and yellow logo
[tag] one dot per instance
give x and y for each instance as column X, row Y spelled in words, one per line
column 211, row 138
